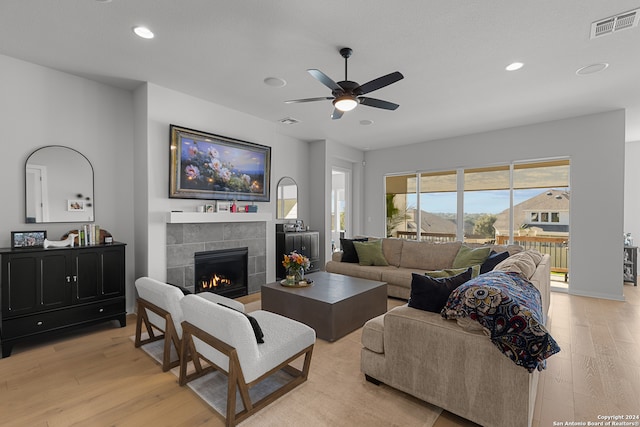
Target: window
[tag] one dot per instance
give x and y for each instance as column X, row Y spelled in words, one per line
column 400, row 210
column 486, row 194
column 438, row 206
column 526, row 203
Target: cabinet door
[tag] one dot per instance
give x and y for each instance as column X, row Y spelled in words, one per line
column 86, row 271
column 35, row 281
column 112, row 266
column 314, row 245
column 55, row 280
column 19, row 285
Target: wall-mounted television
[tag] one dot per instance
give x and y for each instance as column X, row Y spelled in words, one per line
column 214, row 167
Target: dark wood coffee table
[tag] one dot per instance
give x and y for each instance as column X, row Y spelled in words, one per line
column 334, row 305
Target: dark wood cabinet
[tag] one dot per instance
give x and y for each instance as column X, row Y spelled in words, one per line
column 306, row 243
column 47, row 290
column 630, row 265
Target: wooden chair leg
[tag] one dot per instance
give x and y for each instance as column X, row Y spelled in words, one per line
column 142, row 318
column 235, row 377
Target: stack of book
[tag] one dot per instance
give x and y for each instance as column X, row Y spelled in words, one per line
column 89, row 234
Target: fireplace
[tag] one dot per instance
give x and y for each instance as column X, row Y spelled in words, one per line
column 222, row 271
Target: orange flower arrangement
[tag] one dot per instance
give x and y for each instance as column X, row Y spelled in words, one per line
column 295, row 261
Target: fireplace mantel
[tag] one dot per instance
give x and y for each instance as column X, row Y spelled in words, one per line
column 207, row 217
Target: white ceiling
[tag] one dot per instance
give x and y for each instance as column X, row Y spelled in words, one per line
column 451, row 52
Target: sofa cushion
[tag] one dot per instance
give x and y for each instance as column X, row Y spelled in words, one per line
column 427, row 255
column 373, row 334
column 448, row 272
column 370, row 253
column 493, row 260
column 349, row 253
column 431, row 294
column 524, row 262
column 392, row 250
column 357, row 270
column 467, row 256
column 512, row 249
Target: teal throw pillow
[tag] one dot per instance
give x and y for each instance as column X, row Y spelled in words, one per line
column 370, row 253
column 468, row 257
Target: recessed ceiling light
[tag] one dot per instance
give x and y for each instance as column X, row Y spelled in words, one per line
column 514, row 66
column 143, row 32
column 103, row 1
column 592, row 69
column 274, row 81
column 366, row 122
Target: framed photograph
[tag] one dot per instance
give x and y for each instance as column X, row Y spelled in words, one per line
column 75, row 205
column 213, row 167
column 223, row 206
column 27, row 239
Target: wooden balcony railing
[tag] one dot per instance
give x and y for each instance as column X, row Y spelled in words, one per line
column 556, row 247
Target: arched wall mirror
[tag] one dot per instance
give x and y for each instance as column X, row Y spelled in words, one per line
column 58, row 186
column 287, row 199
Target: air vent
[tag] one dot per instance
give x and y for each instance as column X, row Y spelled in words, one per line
column 615, row 23
column 289, row 121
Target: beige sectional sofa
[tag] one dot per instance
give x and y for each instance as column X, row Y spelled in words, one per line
column 405, row 257
column 449, row 364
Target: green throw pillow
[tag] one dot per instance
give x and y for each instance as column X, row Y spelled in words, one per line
column 450, row 272
column 370, row 253
column 468, row 257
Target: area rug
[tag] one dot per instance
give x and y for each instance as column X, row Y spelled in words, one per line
column 212, row 388
column 335, row 393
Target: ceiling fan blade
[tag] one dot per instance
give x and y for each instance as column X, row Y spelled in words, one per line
column 378, row 103
column 336, row 114
column 297, row 101
column 324, row 79
column 380, row 82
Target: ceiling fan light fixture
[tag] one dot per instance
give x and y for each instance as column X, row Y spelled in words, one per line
column 345, row 103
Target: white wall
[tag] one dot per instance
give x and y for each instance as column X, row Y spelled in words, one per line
column 595, row 145
column 324, row 156
column 632, row 191
column 40, row 106
column 164, row 107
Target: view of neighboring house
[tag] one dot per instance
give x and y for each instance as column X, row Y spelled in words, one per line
column 546, row 214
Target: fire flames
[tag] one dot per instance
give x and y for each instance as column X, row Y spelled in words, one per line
column 215, row 281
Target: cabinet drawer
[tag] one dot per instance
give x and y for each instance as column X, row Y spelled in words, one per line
column 52, row 320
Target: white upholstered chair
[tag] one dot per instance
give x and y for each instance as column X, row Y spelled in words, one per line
column 225, row 340
column 159, row 310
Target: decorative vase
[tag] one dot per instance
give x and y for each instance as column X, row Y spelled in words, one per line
column 295, row 275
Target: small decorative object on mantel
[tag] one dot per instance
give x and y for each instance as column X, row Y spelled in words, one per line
column 69, row 241
column 295, row 264
column 223, row 206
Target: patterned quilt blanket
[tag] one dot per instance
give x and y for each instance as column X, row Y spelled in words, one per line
column 509, row 308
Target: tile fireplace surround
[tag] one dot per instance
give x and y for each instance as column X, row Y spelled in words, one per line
column 184, row 240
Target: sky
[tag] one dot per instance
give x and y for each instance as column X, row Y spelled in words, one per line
column 489, row 201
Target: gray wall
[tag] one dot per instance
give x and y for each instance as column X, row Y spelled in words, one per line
column 595, row 144
column 40, row 106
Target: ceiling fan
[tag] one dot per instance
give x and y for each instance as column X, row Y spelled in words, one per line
column 348, row 94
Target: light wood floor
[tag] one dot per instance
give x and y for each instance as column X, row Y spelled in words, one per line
column 96, row 377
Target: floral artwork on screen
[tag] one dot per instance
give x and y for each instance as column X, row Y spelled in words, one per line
column 207, row 166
